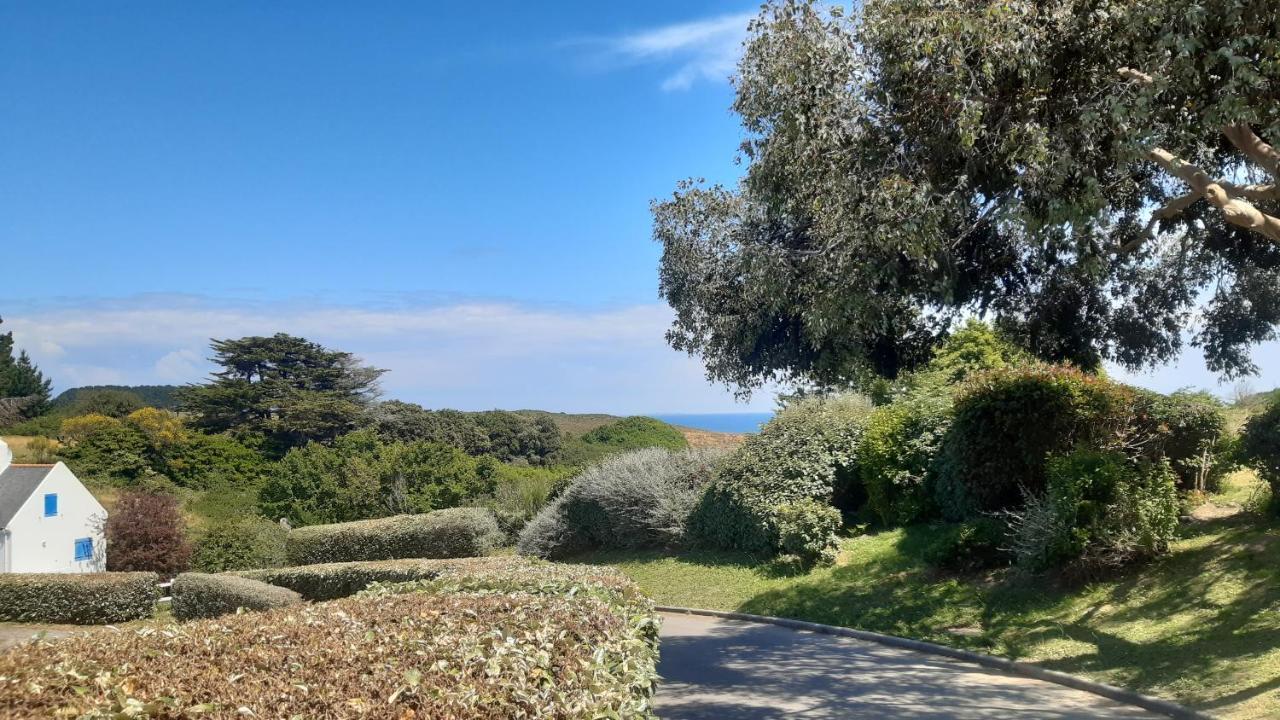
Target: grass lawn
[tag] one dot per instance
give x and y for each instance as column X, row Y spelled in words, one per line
column 1201, row 626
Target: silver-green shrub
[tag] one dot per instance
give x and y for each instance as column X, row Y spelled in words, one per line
column 199, row 595
column 455, row 532
column 638, row 499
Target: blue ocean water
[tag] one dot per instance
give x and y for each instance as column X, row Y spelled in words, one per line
column 720, row 422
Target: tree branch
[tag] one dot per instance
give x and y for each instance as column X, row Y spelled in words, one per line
column 1235, row 210
column 1254, row 148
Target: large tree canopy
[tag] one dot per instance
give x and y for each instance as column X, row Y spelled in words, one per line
column 285, row 389
column 1089, row 173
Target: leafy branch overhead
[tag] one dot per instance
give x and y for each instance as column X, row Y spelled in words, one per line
column 1091, row 175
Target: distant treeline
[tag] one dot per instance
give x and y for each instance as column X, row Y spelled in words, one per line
column 157, row 396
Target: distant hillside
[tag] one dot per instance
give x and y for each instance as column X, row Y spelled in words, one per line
column 160, row 396
column 573, row 423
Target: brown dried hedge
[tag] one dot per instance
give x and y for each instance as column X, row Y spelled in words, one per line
column 484, row 640
column 450, row 533
column 78, row 599
column 197, row 595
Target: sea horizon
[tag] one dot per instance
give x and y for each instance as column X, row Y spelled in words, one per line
column 746, row 422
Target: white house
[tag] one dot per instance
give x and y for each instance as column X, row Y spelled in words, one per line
column 49, row 521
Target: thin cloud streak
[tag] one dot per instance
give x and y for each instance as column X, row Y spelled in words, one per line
column 706, row 49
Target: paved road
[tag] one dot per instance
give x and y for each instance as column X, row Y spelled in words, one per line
column 728, row 670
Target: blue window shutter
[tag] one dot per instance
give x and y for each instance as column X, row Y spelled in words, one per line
column 84, row 549
column 50, row 504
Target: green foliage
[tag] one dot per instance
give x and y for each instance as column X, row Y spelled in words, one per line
column 896, row 456
column 912, row 162
column 506, row 436
column 1260, row 447
column 1099, row 509
column 197, row 595
column 21, row 383
column 359, row 477
column 1008, row 422
column 156, row 396
column 451, row 533
column 46, row 425
column 77, row 599
column 1190, row 430
column 807, row 530
column 477, row 647
column 111, row 454
column 112, row 403
column 520, row 491
column 242, row 543
column 145, row 532
column 642, row 498
column 637, row 432
column 330, row 581
column 977, row 544
column 807, row 451
column 285, row 390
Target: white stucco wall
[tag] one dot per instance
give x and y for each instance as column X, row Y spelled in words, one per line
column 36, row 543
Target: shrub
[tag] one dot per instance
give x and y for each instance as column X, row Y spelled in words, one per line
column 1007, row 423
column 1190, row 430
column 359, row 477
column 240, row 544
column 896, row 457
column 1260, row 447
column 539, row 641
column 806, row 452
column 642, row 498
column 145, row 532
column 521, row 491
column 807, row 531
column 330, row 581
column 456, row 532
column 197, row 595
column 637, row 432
column 972, row 545
column 1098, row 509
column 78, row 599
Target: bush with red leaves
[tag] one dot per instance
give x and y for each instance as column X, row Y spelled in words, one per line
column 145, row 532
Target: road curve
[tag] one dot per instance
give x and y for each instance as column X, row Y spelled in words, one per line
column 717, row 669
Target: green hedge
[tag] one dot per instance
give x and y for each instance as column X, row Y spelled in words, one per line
column 1260, row 447
column 87, row 599
column 198, row 595
column 330, row 581
column 240, row 544
column 807, row 452
column 1007, row 423
column 529, row 640
column 455, row 532
column 1189, row 429
column 896, row 457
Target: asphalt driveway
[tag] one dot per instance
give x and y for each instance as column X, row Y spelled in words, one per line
column 718, row 669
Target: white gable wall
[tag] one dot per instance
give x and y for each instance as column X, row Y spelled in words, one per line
column 35, row 543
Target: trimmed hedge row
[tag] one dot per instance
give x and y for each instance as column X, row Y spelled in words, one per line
column 524, row 640
column 78, row 599
column 198, row 595
column 330, row 581
column 455, row 532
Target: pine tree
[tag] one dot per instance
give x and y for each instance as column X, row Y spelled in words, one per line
column 20, row 378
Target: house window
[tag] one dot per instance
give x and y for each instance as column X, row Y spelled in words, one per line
column 50, row 504
column 84, row 549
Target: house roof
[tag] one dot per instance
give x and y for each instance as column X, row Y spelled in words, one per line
column 17, row 482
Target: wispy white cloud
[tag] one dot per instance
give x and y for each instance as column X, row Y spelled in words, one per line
column 469, row 355
column 706, row 49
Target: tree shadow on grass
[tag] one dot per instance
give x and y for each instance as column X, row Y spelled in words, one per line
column 1193, row 625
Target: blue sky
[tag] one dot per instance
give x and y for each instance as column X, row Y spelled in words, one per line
column 456, row 192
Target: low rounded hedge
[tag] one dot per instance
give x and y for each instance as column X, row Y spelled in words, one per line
column 1007, row 423
column 455, row 532
column 330, row 581
column 199, row 595
column 896, row 458
column 78, row 599
column 638, row 499
column 240, row 544
column 531, row 640
column 807, row 452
